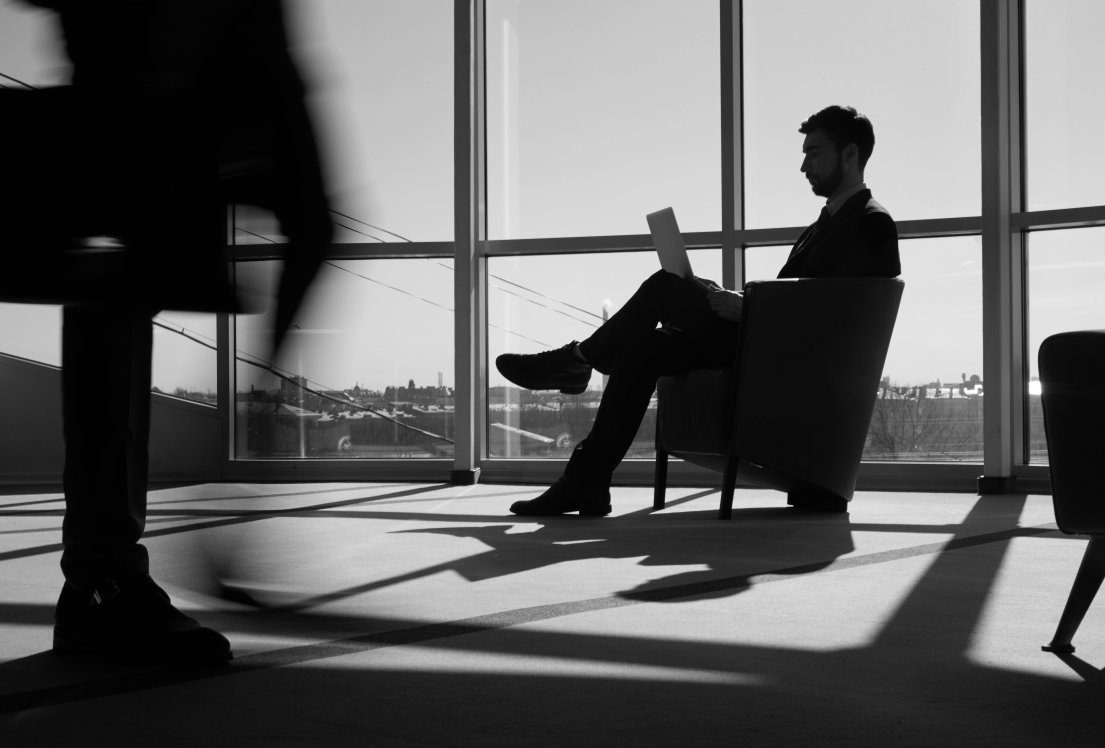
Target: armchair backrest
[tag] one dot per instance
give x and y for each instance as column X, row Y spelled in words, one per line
column 1072, row 378
column 809, row 362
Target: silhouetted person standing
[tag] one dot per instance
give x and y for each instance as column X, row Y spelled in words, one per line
column 176, row 108
column 699, row 322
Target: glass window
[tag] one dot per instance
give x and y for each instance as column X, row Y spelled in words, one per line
column 930, row 401
column 1066, row 286
column 599, row 112
column 764, row 263
column 382, row 77
column 366, row 371
column 918, row 83
column 30, row 47
column 1063, row 111
column 31, row 54
column 540, row 302
column 185, row 360
column 31, row 331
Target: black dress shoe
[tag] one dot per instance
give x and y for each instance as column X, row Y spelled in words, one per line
column 133, row 621
column 564, row 496
column 559, row 369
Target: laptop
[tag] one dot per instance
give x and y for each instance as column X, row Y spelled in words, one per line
column 669, row 243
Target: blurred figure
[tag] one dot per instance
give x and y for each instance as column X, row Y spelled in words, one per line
column 115, row 206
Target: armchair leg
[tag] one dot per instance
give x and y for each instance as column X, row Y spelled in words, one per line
column 660, row 481
column 1086, row 584
column 728, row 483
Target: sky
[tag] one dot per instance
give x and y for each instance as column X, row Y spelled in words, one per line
column 600, row 112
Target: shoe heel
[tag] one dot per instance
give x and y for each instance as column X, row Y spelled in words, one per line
column 595, row 511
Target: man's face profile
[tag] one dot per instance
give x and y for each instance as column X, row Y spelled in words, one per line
column 821, row 163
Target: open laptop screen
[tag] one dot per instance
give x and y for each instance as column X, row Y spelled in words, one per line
column 669, row 243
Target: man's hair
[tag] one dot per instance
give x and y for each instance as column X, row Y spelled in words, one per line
column 843, row 125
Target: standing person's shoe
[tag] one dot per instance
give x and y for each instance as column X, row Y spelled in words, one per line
column 564, row 496
column 133, row 621
column 559, row 369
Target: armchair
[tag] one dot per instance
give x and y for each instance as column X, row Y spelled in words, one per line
column 793, row 411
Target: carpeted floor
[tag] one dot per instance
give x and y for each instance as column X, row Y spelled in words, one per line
column 390, row 614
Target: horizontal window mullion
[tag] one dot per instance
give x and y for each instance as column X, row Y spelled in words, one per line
column 352, row 251
column 1066, row 218
column 919, row 229
column 587, row 244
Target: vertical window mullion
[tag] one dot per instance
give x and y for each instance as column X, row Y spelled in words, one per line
column 1002, row 250
column 732, row 144
column 470, row 237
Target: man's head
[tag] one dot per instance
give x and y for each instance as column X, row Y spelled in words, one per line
column 839, row 140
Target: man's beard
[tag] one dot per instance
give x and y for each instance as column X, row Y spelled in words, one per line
column 827, row 186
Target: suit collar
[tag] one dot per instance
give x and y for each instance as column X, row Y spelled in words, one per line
column 856, row 202
column 817, row 232
column 842, row 199
column 852, row 204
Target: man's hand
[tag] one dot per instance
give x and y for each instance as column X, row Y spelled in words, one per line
column 726, row 304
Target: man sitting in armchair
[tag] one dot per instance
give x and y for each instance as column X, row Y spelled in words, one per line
column 672, row 325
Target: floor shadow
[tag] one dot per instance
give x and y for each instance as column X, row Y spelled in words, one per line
column 730, row 555
column 28, row 490
column 489, row 680
column 1085, row 670
column 527, row 686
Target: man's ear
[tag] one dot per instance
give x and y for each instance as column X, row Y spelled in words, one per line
column 851, row 152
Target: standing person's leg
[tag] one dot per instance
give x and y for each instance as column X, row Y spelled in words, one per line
column 109, row 604
column 106, row 360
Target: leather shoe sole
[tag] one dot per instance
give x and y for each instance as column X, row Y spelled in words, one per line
column 564, row 497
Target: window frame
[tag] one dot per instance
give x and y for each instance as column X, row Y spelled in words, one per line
column 1001, row 227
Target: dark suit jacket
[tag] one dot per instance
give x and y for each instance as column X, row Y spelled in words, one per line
column 859, row 240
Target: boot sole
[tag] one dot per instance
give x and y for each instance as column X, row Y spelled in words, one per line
column 592, row 511
column 69, row 645
column 595, row 511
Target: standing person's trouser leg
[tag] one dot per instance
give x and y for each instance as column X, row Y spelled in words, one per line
column 109, row 604
column 106, row 372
